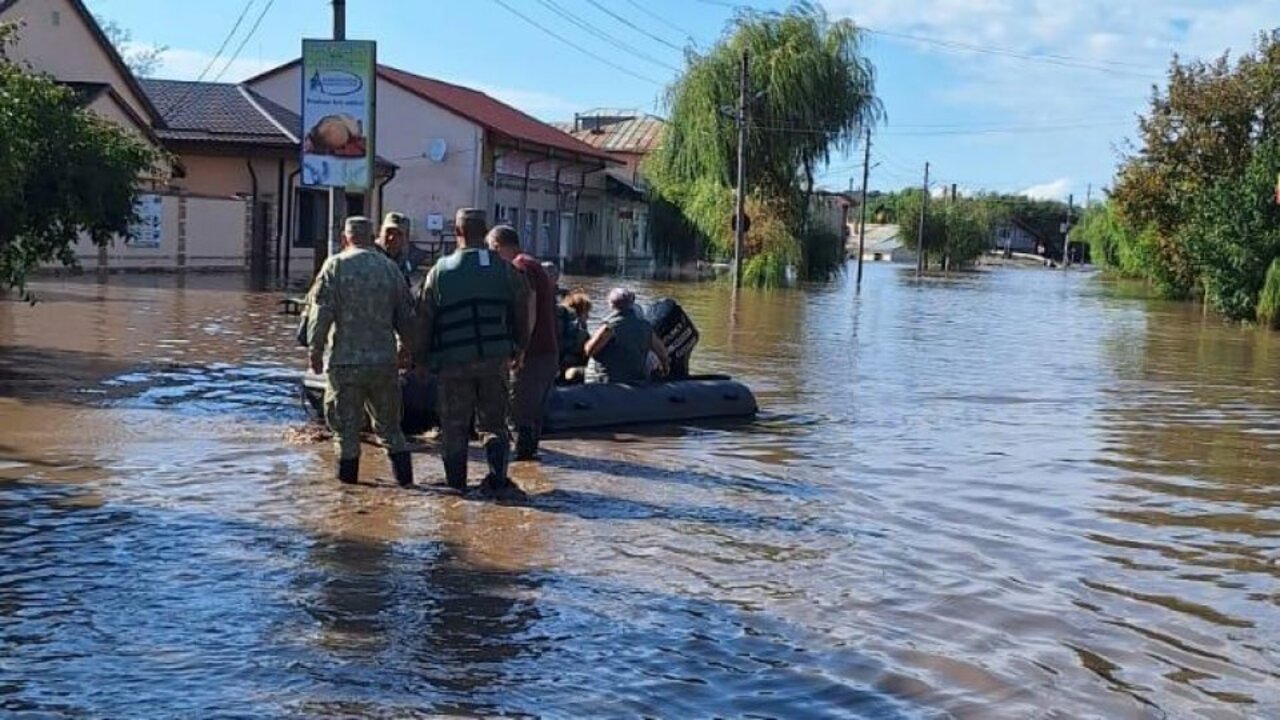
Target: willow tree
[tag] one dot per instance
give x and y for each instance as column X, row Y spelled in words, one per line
column 811, row 94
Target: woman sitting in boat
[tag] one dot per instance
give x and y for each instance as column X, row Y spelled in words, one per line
column 572, row 314
column 619, row 349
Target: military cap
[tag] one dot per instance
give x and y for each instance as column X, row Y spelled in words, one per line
column 359, row 227
column 397, row 220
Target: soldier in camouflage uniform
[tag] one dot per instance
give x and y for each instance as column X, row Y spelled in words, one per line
column 473, row 325
column 359, row 303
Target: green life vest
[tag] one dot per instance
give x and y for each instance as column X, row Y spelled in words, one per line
column 622, row 360
column 473, row 309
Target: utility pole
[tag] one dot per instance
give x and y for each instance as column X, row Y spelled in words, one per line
column 946, row 258
column 924, row 207
column 1066, row 234
column 337, row 196
column 862, row 222
column 740, row 202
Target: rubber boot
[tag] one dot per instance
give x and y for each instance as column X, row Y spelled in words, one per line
column 455, row 471
column 402, row 468
column 497, row 485
column 526, row 444
column 349, row 471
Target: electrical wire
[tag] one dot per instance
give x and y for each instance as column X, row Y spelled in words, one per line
column 173, row 109
column 1051, row 58
column 245, row 41
column 633, row 26
column 1115, row 67
column 575, row 46
column 591, row 29
column 662, row 20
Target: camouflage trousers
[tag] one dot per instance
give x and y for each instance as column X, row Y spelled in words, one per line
column 477, row 389
column 356, row 391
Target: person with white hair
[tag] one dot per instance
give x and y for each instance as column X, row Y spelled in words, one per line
column 620, row 348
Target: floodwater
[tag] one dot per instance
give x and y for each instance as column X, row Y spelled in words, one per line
column 1015, row 494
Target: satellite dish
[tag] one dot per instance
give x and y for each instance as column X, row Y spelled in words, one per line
column 437, row 149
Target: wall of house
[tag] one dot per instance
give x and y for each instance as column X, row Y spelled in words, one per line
column 406, row 127
column 568, row 216
column 827, row 212
column 54, row 40
column 197, row 233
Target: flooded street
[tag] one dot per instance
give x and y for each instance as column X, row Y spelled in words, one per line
column 1014, row 494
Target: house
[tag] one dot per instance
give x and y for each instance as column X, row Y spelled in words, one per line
column 232, row 141
column 624, row 243
column 1014, row 236
column 882, row 244
column 830, row 211
column 178, row 230
column 457, row 147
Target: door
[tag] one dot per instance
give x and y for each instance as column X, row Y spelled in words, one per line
column 566, row 233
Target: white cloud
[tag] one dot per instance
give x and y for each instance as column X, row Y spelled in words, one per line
column 1132, row 41
column 182, row 64
column 1053, row 190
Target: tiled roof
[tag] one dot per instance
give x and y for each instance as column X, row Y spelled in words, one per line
column 638, row 134
column 220, row 112
column 479, row 108
column 492, row 114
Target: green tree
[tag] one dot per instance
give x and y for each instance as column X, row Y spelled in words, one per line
column 1113, row 244
column 1232, row 234
column 1202, row 130
column 63, row 171
column 956, row 232
column 812, row 93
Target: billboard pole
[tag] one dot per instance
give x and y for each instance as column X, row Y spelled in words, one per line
column 337, row 195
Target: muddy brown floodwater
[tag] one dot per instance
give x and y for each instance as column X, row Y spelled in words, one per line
column 1017, row 494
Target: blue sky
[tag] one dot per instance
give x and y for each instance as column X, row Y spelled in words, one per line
column 1030, row 96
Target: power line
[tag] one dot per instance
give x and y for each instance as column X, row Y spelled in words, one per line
column 662, row 20
column 575, row 46
column 1053, row 59
column 602, row 35
column 245, row 41
column 1115, row 67
column 959, row 130
column 633, row 26
column 172, row 110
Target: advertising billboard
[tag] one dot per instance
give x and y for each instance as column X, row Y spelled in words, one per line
column 338, row 101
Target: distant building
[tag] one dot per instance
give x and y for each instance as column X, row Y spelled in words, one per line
column 882, row 244
column 1017, row 237
column 623, row 243
column 832, row 211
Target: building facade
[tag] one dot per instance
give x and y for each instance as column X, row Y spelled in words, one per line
column 179, row 229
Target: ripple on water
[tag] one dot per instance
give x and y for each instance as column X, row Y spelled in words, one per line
column 949, row 508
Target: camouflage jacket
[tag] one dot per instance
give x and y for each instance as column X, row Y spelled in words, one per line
column 358, row 304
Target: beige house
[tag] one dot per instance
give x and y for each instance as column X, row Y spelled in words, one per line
column 457, row 147
column 182, row 228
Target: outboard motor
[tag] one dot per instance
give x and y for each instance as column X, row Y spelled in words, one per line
column 677, row 331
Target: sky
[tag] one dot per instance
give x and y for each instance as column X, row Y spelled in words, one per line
column 1038, row 97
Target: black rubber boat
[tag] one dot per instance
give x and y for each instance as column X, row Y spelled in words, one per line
column 592, row 406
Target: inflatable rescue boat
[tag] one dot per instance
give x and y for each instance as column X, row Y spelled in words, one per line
column 682, row 399
column 591, row 406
